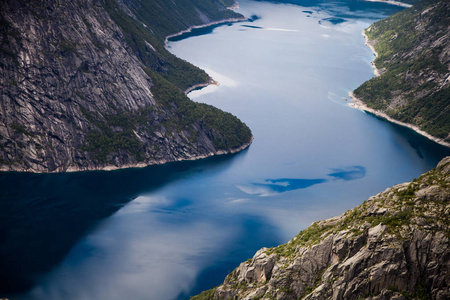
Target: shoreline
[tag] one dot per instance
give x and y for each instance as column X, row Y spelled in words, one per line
column 358, row 104
column 137, row 165
column 371, row 45
column 190, row 89
column 201, row 85
column 223, row 21
column 219, row 22
column 398, row 3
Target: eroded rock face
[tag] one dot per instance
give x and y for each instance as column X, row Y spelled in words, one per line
column 74, row 96
column 393, row 246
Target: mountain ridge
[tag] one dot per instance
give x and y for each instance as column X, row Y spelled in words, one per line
column 88, row 85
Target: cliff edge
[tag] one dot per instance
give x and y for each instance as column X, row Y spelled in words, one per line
column 393, row 246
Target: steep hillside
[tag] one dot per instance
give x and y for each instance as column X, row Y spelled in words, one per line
column 89, row 85
column 394, row 246
column 413, row 57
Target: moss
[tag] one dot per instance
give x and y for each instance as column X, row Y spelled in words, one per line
column 20, row 129
column 310, row 236
column 206, row 295
column 67, row 46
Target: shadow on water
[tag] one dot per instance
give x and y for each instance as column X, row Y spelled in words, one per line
column 339, row 10
column 349, row 173
column 289, row 184
column 344, row 9
column 239, row 249
column 42, row 216
column 197, row 32
column 425, row 149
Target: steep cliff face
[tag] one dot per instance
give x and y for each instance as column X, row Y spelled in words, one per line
column 413, row 57
column 77, row 94
column 393, row 246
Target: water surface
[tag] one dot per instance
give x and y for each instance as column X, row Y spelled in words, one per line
column 167, row 232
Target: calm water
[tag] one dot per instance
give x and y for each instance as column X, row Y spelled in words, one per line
column 167, row 232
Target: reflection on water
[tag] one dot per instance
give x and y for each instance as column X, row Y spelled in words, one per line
column 334, row 20
column 167, row 232
column 42, row 216
column 350, row 173
column 282, row 185
column 251, row 26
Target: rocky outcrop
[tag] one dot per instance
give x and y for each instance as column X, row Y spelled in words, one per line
column 393, row 246
column 413, row 63
column 77, row 94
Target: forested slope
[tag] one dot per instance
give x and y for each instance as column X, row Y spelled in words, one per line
column 413, row 50
column 89, row 85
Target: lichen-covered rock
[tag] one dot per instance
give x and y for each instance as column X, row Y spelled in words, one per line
column 393, row 246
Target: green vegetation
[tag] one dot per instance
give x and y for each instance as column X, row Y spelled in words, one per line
column 20, row 129
column 234, row 131
column 206, row 295
column 308, row 237
column 409, row 46
column 7, row 32
column 420, row 293
column 155, row 19
column 103, row 141
column 170, row 76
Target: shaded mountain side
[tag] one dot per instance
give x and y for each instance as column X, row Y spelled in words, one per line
column 88, row 85
column 413, row 57
column 393, row 246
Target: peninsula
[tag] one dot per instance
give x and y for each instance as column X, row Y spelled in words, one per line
column 412, row 68
column 89, row 85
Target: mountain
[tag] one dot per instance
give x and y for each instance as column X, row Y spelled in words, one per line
column 396, row 245
column 88, row 85
column 413, row 60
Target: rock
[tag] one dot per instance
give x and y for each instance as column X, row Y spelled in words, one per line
column 76, row 95
column 376, row 251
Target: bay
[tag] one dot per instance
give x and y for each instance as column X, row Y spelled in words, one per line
column 170, row 231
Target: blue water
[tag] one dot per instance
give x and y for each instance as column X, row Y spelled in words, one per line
column 167, row 232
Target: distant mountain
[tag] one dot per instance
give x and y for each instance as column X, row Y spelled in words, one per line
column 396, row 245
column 88, row 85
column 413, row 57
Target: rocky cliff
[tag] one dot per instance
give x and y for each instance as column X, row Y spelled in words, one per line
column 88, row 85
column 413, row 57
column 393, row 246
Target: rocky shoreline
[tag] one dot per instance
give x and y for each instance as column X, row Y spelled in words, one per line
column 398, row 3
column 358, row 104
column 137, row 165
column 201, row 85
column 224, row 21
column 371, row 45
